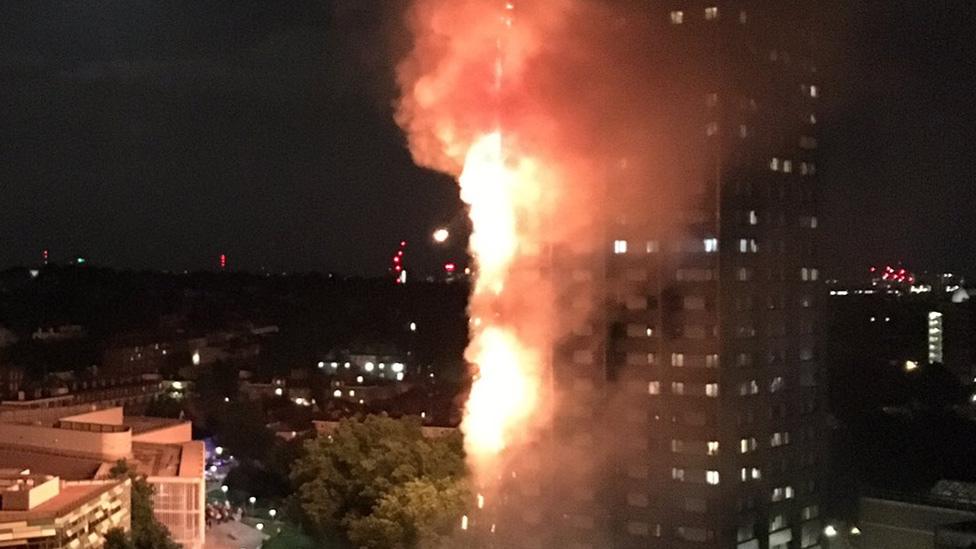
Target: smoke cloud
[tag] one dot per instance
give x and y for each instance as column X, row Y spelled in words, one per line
column 560, row 119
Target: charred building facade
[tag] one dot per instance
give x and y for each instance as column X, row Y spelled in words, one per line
column 694, row 397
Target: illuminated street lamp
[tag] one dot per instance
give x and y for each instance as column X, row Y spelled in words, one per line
column 224, row 488
column 441, row 235
column 272, row 512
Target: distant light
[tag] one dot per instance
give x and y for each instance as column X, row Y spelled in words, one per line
column 399, row 376
column 272, row 512
column 369, row 366
column 449, row 268
column 259, row 526
column 80, row 260
column 337, row 393
column 219, row 450
column 279, row 391
column 334, row 365
column 397, row 367
column 481, row 501
column 911, row 365
column 464, row 522
column 224, row 488
column 830, row 531
column 178, row 385
column 213, row 468
column 413, row 326
column 855, row 531
column 346, row 365
column 252, row 499
column 195, row 358
column 441, row 235
column 34, row 273
column 226, row 399
column 359, row 379
column 321, row 364
column 352, row 393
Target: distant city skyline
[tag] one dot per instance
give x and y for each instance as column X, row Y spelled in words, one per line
column 161, row 136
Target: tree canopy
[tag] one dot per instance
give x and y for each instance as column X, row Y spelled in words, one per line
column 379, row 483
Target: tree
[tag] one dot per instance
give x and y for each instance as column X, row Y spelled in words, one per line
column 117, row 539
column 420, row 513
column 147, row 532
column 380, row 483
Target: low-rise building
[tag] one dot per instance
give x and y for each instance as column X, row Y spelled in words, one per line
column 47, row 512
column 84, row 447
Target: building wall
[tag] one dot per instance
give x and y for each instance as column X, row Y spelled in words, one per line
column 179, row 503
column 109, row 446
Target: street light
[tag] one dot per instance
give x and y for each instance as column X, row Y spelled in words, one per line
column 830, row 531
column 272, row 512
column 219, row 450
column 441, row 235
column 259, row 526
column 224, row 488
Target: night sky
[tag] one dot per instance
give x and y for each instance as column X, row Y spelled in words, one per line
column 147, row 134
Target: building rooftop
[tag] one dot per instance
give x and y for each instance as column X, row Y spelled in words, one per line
column 66, row 467
column 70, row 497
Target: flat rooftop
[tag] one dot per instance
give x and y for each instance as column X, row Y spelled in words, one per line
column 70, row 498
column 66, row 467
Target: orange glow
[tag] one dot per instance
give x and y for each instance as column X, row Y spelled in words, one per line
column 504, row 393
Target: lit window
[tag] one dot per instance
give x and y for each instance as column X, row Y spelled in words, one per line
column 743, row 17
column 711, row 360
column 677, row 359
column 776, row 384
column 713, row 448
column 677, row 388
column 677, row 17
column 711, row 245
column 779, row 439
column 711, row 389
column 677, row 474
column 711, row 13
column 743, row 359
column 752, row 217
column 711, row 477
column 755, row 473
column 743, row 274
column 677, row 446
column 787, row 166
column 747, row 445
column 654, row 388
column 748, row 245
column 652, row 246
column 814, row 91
column 774, row 164
column 619, row 246
column 711, row 129
column 711, row 99
column 743, row 131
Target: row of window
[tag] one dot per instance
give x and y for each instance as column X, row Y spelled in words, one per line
column 711, row 360
column 682, row 388
column 786, row 166
column 678, row 17
column 708, row 245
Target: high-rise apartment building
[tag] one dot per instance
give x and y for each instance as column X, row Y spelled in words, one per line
column 696, row 392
